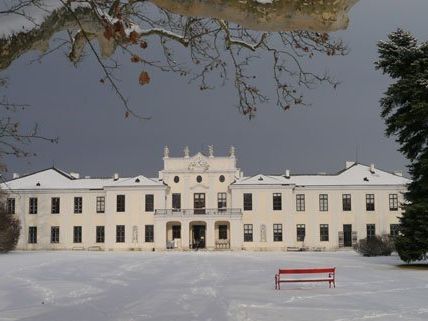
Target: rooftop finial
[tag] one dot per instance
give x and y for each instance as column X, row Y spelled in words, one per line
column 186, row 152
column 232, row 151
column 165, row 152
column 211, row 151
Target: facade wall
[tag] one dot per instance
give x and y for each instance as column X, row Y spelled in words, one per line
column 216, row 175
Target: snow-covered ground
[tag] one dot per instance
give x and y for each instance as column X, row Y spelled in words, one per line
column 131, row 286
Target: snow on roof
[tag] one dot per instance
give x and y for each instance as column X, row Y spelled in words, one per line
column 139, row 180
column 53, row 178
column 358, row 174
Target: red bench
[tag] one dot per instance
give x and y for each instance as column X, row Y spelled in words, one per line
column 324, row 275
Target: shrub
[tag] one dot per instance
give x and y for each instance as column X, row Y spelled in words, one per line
column 375, row 246
column 9, row 231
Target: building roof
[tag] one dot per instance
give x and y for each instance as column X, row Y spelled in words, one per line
column 355, row 175
column 54, row 178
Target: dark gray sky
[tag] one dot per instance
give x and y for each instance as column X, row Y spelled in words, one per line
column 96, row 140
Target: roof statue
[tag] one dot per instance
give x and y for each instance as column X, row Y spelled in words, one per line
column 211, row 151
column 232, row 151
column 166, row 152
column 186, row 152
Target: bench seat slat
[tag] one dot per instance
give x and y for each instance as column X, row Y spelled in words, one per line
column 307, row 280
column 306, row 271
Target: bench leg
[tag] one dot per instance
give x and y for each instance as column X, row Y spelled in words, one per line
column 276, row 282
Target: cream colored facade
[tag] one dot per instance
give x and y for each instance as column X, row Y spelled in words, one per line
column 198, row 202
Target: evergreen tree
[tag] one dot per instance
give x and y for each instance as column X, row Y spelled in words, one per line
column 9, row 229
column 405, row 111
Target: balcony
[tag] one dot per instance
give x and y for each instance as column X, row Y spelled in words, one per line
column 231, row 212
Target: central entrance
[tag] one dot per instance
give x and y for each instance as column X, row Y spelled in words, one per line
column 198, row 236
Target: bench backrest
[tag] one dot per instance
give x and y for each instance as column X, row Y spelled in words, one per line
column 305, row 271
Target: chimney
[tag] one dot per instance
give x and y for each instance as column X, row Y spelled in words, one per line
column 75, row 175
column 15, row 175
column 372, row 168
column 287, row 173
column 116, row 176
column 349, row 164
column 398, row 173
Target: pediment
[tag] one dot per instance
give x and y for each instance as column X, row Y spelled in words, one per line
column 198, row 162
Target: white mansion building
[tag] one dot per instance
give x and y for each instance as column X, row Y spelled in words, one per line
column 204, row 201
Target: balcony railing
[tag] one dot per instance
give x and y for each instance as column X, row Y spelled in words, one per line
column 200, row 211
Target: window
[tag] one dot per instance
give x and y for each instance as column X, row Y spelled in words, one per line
column 221, row 179
column 370, row 202
column 149, row 237
column 55, row 205
column 277, row 201
column 100, row 234
column 324, row 232
column 277, row 232
column 176, row 201
column 222, row 232
column 120, row 233
column 346, row 202
column 10, row 206
column 77, row 234
column 393, row 202
column 248, row 202
column 199, row 178
column 101, row 204
column 33, row 205
column 32, row 234
column 54, row 234
column 301, row 232
column 176, row 179
column 221, row 201
column 199, row 203
column 323, row 202
column 300, row 202
column 78, row 205
column 248, row 232
column 394, row 230
column 120, row 203
column 150, row 199
column 371, row 231
column 176, row 232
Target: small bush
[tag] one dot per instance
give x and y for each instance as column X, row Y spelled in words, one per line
column 375, row 246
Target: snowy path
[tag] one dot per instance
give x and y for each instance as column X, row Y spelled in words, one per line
column 132, row 286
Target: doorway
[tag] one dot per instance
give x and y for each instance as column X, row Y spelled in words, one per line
column 347, row 235
column 198, row 237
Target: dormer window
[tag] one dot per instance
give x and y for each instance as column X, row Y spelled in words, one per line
column 137, row 180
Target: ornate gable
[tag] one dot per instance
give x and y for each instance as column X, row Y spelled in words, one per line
column 198, row 162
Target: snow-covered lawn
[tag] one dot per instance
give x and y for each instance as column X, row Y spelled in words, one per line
column 95, row 286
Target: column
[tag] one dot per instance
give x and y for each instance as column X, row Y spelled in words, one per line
column 210, row 235
column 185, row 235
